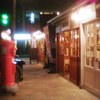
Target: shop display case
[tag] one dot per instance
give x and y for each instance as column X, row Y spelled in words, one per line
column 92, row 56
column 90, row 45
column 92, row 33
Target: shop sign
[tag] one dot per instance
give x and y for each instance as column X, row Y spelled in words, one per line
column 85, row 14
column 48, row 46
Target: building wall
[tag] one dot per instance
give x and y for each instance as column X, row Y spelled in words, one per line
column 90, row 69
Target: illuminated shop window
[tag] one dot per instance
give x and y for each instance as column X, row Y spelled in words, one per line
column 75, row 43
column 92, row 33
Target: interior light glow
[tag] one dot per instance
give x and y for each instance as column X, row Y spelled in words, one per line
column 98, row 25
column 84, row 14
column 38, row 34
column 75, row 17
column 22, row 36
column 76, row 36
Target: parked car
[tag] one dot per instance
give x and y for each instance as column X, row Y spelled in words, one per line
column 19, row 68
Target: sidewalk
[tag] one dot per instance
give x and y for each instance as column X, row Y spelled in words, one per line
column 39, row 85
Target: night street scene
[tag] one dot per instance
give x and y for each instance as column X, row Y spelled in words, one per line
column 50, row 49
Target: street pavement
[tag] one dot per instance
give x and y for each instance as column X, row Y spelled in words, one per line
column 39, row 85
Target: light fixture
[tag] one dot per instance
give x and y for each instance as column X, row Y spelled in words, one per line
column 22, row 36
column 58, row 13
column 84, row 14
column 41, row 13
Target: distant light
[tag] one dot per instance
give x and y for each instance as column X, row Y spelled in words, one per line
column 4, row 16
column 5, row 22
column 22, row 36
column 46, row 13
column 58, row 13
column 38, row 34
column 5, row 19
column 32, row 18
column 6, row 34
column 8, row 31
column 41, row 13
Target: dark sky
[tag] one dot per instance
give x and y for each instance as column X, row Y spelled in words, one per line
column 6, row 5
column 46, row 4
column 33, row 5
column 39, row 5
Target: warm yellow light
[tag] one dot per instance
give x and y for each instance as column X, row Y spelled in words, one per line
column 84, row 14
column 41, row 13
column 41, row 36
column 75, row 17
column 58, row 13
column 38, row 34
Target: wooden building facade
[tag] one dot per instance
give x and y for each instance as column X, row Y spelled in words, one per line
column 77, row 38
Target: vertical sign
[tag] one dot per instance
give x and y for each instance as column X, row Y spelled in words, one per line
column 46, row 31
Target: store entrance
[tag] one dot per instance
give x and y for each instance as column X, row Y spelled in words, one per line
column 68, row 55
column 63, row 53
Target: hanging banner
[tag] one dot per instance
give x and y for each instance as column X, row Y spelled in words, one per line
column 48, row 46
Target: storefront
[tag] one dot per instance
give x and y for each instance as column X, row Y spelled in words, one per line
column 38, row 46
column 92, row 56
column 78, row 45
column 68, row 54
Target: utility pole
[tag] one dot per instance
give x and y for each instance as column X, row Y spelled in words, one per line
column 23, row 19
column 14, row 18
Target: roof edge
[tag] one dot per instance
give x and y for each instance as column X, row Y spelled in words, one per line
column 66, row 11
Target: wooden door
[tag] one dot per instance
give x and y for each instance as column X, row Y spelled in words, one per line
column 75, row 56
column 57, row 52
column 60, row 53
column 66, row 52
